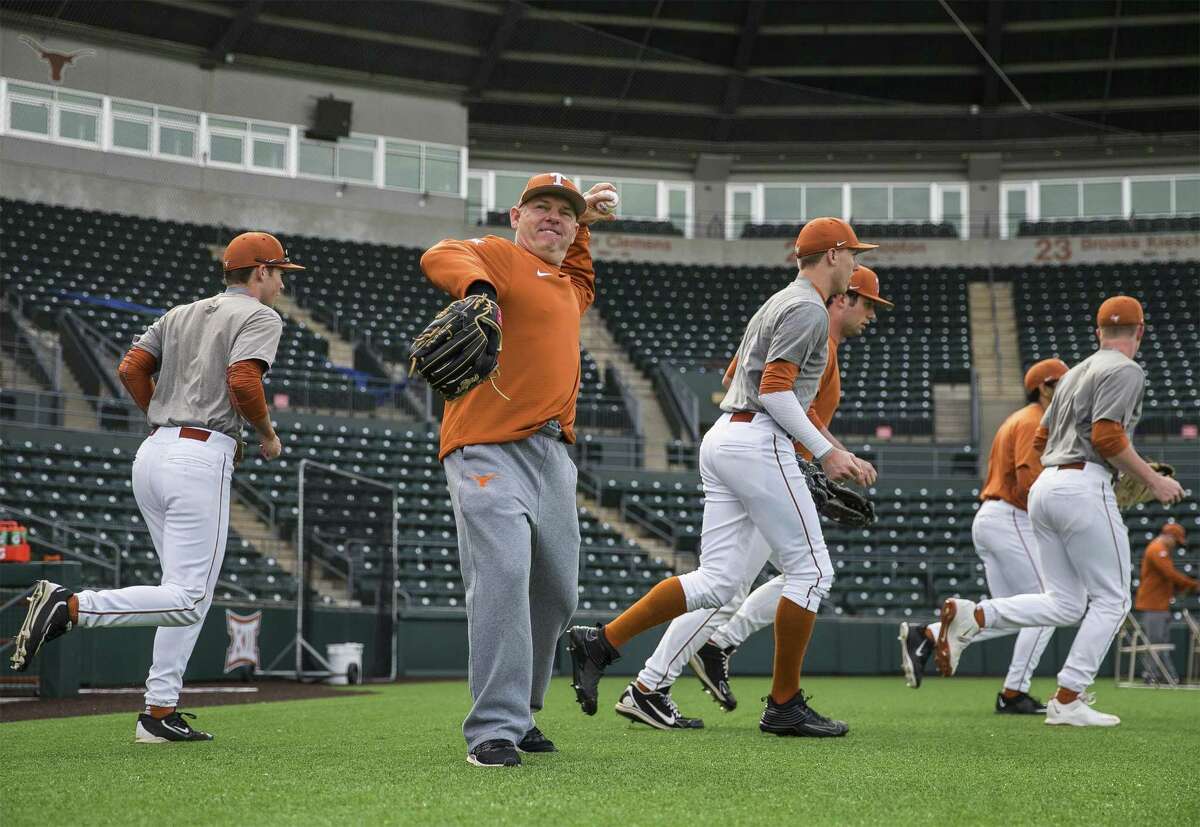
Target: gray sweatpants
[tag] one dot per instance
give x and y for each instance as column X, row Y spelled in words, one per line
column 1157, row 626
column 518, row 545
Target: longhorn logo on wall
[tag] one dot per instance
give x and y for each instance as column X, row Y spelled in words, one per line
column 58, row 61
column 243, row 640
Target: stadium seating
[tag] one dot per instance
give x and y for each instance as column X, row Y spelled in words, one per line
column 353, row 520
column 865, row 230
column 1060, row 305
column 1111, row 226
column 917, row 554
column 696, row 315
column 89, row 490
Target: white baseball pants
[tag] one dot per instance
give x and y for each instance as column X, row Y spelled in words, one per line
column 1084, row 550
column 687, row 633
column 182, row 489
column 1004, row 541
column 752, row 480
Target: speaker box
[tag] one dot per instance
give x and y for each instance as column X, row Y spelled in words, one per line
column 331, row 120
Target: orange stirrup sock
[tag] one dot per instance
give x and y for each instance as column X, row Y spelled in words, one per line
column 159, row 712
column 73, row 608
column 662, row 603
column 793, row 630
column 1065, row 696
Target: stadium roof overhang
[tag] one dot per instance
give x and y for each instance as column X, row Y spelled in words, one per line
column 772, row 83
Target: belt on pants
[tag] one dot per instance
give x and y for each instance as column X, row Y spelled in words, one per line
column 552, row 429
column 188, row 432
column 1072, row 466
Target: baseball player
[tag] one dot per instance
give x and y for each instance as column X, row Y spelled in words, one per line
column 210, row 357
column 504, row 449
column 1004, row 541
column 1156, row 586
column 1084, row 439
column 686, row 640
column 752, row 481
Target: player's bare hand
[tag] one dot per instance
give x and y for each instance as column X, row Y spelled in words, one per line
column 842, row 466
column 602, row 201
column 270, row 448
column 1166, row 490
column 869, row 474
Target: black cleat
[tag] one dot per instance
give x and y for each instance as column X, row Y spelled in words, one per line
column 915, row 650
column 494, row 754
column 591, row 653
column 656, row 709
column 151, row 730
column 711, row 665
column 535, row 741
column 48, row 617
column 796, row 717
column 1023, row 704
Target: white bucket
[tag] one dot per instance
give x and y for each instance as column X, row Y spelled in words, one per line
column 345, row 662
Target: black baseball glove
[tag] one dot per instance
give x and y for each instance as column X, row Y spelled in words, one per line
column 460, row 348
column 838, row 502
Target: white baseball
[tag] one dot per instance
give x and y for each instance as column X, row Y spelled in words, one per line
column 607, row 202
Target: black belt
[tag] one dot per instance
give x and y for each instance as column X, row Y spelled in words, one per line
column 552, row 429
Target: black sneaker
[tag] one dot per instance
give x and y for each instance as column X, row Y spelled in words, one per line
column 711, row 665
column 48, row 617
column 656, row 709
column 796, row 717
column 591, row 653
column 495, row 753
column 915, row 650
column 1023, row 704
column 151, row 730
column 535, row 741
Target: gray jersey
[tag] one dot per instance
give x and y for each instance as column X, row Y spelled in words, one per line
column 1106, row 385
column 194, row 345
column 792, row 325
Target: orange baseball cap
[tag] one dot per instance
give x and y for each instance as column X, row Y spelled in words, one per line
column 823, row 234
column 865, row 283
column 252, row 249
column 1043, row 371
column 1120, row 310
column 555, row 183
column 1175, row 530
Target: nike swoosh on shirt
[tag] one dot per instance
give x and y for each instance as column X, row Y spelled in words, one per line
column 542, row 275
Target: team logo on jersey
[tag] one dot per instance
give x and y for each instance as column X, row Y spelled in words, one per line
column 243, row 640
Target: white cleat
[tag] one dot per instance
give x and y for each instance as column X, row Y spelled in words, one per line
column 1077, row 713
column 958, row 627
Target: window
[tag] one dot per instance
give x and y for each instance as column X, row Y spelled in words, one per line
column 1150, row 198
column 226, row 141
column 177, row 133
column 79, row 117
column 356, row 159
column 508, row 190
column 1059, row 200
column 402, row 165
column 638, row 201
column 868, row 204
column 1101, row 199
column 268, row 146
column 820, row 202
column 910, row 203
column 952, row 209
column 442, row 170
column 29, row 109
column 1016, row 209
column 742, row 211
column 1187, row 196
column 315, row 159
column 677, row 208
column 783, row 205
column 475, row 199
column 131, row 126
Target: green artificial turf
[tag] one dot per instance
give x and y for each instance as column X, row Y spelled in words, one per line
column 936, row 755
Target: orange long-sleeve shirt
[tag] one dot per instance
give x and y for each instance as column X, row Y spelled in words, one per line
column 1159, row 579
column 539, row 360
column 1014, row 463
